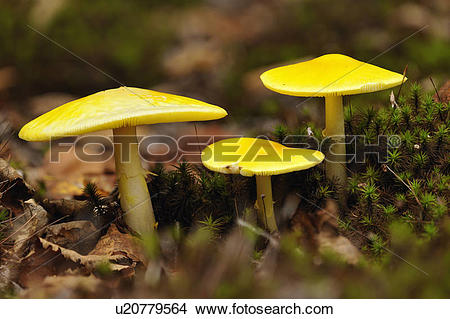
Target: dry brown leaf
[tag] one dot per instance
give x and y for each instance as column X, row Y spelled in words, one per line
column 328, row 217
column 20, row 238
column 8, row 276
column 339, row 245
column 77, row 209
column 115, row 244
column 71, row 233
column 328, row 237
column 115, row 248
column 89, row 261
column 321, row 229
column 27, row 226
column 13, row 188
column 37, row 259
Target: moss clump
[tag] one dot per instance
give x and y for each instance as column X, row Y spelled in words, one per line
column 409, row 184
column 189, row 194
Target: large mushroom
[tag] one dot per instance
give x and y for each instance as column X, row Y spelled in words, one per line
column 331, row 76
column 122, row 109
column 261, row 158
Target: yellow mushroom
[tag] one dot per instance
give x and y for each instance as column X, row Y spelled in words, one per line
column 262, row 158
column 122, row 109
column 331, row 76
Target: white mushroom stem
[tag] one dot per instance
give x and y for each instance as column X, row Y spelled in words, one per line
column 334, row 128
column 134, row 196
column 265, row 203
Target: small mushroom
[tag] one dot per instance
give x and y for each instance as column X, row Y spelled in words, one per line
column 331, row 76
column 262, row 158
column 122, row 109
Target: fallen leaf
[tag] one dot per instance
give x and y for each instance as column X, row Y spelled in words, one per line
column 13, row 188
column 339, row 245
column 321, row 229
column 30, row 224
column 116, row 244
column 80, row 235
column 19, row 241
column 77, row 209
column 8, row 275
column 115, row 248
column 83, row 210
column 328, row 216
column 89, row 261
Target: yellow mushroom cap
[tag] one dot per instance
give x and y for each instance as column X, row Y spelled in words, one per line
column 116, row 108
column 330, row 75
column 254, row 156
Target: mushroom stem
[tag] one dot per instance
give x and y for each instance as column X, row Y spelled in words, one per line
column 265, row 203
column 334, row 128
column 134, row 196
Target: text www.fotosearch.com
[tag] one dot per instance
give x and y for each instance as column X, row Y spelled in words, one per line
column 245, row 309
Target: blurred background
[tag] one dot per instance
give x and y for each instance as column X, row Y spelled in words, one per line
column 213, row 50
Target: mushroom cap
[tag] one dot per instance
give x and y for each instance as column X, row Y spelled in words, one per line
column 330, row 75
column 255, row 156
column 116, row 108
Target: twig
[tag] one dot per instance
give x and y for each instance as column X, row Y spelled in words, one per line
column 19, row 229
column 257, row 231
column 403, row 80
column 36, row 232
column 407, row 185
column 398, row 95
column 264, row 209
column 198, row 142
column 236, row 207
column 435, row 89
